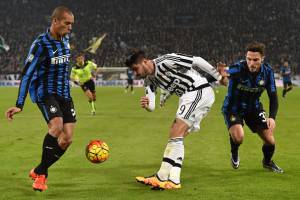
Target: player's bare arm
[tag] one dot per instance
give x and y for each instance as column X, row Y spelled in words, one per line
column 221, row 68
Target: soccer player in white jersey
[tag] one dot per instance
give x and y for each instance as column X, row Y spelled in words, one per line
column 188, row 77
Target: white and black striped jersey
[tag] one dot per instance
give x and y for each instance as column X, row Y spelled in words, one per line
column 179, row 73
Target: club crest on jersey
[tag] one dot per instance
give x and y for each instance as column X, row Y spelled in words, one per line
column 53, row 109
column 60, row 59
column 232, row 118
column 261, row 82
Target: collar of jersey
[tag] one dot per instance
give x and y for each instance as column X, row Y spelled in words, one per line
column 155, row 67
column 50, row 36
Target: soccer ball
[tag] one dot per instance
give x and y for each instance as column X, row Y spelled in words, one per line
column 97, row 151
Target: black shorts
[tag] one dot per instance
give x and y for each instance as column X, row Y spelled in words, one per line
column 130, row 81
column 56, row 106
column 89, row 85
column 255, row 120
column 287, row 84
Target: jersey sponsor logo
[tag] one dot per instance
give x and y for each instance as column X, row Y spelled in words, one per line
column 60, row 59
column 248, row 89
column 261, row 82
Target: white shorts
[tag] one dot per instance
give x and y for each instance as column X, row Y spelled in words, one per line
column 194, row 106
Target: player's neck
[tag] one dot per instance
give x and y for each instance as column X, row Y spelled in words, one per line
column 152, row 67
column 54, row 34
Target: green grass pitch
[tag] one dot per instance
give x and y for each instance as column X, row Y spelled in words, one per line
column 137, row 140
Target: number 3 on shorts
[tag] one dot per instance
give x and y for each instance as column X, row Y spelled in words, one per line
column 262, row 115
column 73, row 112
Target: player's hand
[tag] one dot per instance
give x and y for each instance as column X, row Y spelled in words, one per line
column 221, row 68
column 144, row 102
column 224, row 81
column 11, row 111
column 271, row 124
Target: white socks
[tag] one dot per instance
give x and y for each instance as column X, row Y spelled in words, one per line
column 172, row 161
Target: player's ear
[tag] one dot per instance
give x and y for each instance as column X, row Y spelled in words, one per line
column 262, row 59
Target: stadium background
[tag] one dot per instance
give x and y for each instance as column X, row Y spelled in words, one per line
column 216, row 30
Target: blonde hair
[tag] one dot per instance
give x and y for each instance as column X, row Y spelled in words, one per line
column 59, row 11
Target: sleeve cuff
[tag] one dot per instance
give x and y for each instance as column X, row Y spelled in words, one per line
column 19, row 106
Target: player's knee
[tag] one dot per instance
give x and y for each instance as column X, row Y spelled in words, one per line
column 65, row 143
column 178, row 129
column 238, row 139
column 270, row 140
column 56, row 130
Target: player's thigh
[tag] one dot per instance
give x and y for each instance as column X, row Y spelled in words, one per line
column 234, row 123
column 88, row 93
column 194, row 106
column 50, row 108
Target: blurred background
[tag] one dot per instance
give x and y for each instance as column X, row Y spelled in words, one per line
column 215, row 30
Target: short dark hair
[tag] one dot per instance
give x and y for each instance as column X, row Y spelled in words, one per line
column 256, row 47
column 80, row 54
column 59, row 11
column 134, row 57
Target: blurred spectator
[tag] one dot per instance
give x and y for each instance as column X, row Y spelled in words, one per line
column 215, row 30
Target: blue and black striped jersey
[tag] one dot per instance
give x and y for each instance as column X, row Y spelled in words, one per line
column 47, row 69
column 129, row 74
column 286, row 73
column 245, row 88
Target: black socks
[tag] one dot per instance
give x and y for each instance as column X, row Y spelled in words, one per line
column 234, row 149
column 268, row 151
column 51, row 153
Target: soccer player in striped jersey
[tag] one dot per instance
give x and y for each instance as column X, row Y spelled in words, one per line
column 188, row 77
column 46, row 75
column 130, row 76
column 83, row 74
column 286, row 72
column 247, row 81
